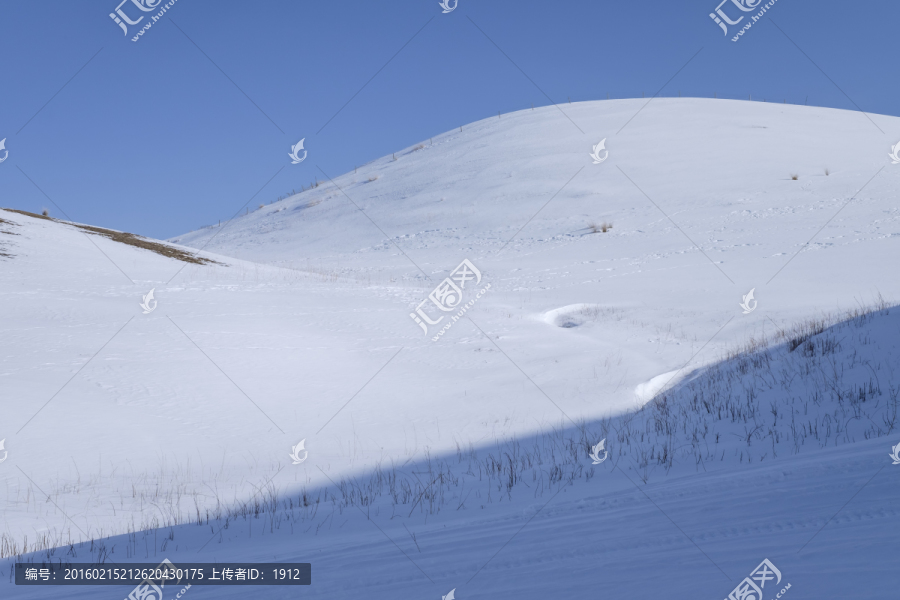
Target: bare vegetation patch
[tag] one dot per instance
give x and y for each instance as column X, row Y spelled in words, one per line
column 600, row 227
column 4, row 223
column 129, row 239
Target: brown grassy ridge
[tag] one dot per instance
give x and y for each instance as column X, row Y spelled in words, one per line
column 129, row 239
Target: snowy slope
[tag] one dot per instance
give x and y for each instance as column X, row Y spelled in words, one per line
column 720, row 169
column 533, row 517
column 302, row 331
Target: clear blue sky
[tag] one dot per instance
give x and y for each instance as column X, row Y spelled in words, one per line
column 151, row 137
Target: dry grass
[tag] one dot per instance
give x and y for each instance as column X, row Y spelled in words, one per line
column 4, row 222
column 600, row 227
column 794, row 177
column 129, row 239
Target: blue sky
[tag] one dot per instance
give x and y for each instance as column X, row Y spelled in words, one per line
column 183, row 127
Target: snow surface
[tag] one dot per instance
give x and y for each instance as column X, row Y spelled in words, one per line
column 303, row 333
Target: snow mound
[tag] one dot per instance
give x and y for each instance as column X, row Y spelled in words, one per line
column 575, row 315
column 647, row 390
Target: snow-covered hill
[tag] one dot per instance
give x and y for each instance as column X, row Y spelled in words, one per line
column 300, row 330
